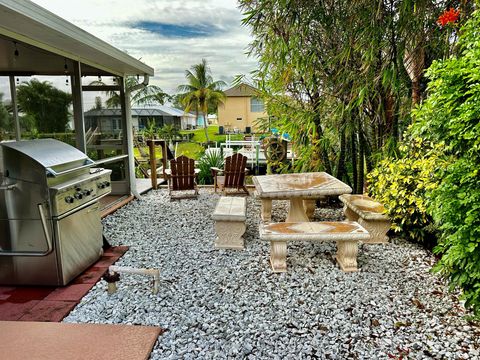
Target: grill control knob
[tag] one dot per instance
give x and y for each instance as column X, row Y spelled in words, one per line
column 87, row 192
column 69, row 199
column 107, row 183
column 78, row 195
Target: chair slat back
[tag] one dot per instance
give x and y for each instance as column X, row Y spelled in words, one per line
column 234, row 171
column 183, row 173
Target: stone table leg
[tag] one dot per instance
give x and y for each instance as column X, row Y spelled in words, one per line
column 347, row 251
column 266, row 212
column 377, row 229
column 296, row 212
column 230, row 235
column 309, row 205
column 278, row 256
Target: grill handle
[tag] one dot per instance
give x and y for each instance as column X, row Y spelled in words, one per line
column 47, row 237
column 54, row 173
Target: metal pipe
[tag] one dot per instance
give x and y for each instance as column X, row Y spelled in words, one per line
column 47, row 237
column 129, row 270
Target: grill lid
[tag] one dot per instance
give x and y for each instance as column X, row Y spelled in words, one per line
column 50, row 153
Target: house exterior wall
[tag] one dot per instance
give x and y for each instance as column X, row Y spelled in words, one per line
column 235, row 113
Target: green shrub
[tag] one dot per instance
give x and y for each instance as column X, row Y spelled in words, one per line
column 403, row 184
column 451, row 115
column 209, row 160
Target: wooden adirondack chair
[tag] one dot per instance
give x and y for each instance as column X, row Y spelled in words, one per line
column 233, row 174
column 182, row 177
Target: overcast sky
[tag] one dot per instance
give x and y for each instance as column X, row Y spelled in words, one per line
column 168, row 35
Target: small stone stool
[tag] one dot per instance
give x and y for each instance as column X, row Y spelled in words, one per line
column 370, row 214
column 230, row 216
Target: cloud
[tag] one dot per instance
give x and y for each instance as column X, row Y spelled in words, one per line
column 169, row 36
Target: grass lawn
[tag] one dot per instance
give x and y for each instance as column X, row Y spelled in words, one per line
column 199, row 135
column 190, row 149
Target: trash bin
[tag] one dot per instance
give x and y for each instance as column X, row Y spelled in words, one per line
column 248, row 130
column 220, row 130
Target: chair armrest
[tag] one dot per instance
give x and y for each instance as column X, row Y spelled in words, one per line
column 215, row 170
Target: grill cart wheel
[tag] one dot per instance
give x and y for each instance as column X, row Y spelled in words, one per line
column 275, row 150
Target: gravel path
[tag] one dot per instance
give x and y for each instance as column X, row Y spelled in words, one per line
column 219, row 304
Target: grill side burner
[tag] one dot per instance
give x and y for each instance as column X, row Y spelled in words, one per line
column 50, row 224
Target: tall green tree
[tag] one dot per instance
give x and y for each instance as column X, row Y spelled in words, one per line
column 201, row 92
column 5, row 120
column 47, row 105
column 341, row 76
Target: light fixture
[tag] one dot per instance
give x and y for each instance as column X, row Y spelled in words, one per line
column 16, row 53
column 99, row 78
column 65, row 67
column 66, row 81
column 17, row 80
column 114, row 80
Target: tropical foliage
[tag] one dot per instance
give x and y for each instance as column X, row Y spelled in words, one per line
column 402, row 185
column 45, row 104
column 451, row 115
column 201, row 92
column 209, row 160
column 148, row 95
column 341, row 76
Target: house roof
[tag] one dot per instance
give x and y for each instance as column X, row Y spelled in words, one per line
column 241, row 90
column 157, row 110
column 45, row 41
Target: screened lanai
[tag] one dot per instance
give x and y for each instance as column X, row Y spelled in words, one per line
column 36, row 42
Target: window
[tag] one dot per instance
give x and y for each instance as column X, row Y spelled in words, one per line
column 256, row 105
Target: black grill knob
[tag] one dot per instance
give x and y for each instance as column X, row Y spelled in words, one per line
column 86, row 192
column 78, row 195
column 107, row 183
column 69, row 199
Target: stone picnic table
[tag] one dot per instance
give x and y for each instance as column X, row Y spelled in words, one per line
column 297, row 188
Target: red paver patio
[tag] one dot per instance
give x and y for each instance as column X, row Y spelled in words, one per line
column 48, row 303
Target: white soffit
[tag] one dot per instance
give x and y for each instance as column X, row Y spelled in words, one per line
column 27, row 22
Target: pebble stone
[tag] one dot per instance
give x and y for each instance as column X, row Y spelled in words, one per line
column 219, row 304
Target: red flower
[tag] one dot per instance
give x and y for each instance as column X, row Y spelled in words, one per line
column 448, row 17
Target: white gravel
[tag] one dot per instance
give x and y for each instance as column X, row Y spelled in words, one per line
column 219, row 304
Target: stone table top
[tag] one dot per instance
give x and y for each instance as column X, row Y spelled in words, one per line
column 323, row 230
column 300, row 185
column 364, row 206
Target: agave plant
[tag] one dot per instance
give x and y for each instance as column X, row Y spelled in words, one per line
column 209, row 160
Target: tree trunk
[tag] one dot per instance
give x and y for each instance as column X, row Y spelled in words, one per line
column 205, row 127
column 353, row 149
column 361, row 161
column 341, row 157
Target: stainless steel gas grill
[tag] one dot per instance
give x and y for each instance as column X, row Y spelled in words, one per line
column 50, row 225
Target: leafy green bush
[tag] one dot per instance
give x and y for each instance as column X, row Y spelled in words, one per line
column 403, row 184
column 451, row 114
column 209, row 160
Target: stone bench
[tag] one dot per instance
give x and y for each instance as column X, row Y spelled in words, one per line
column 369, row 213
column 230, row 216
column 347, row 234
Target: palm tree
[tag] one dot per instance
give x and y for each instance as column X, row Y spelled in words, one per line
column 149, row 95
column 201, row 91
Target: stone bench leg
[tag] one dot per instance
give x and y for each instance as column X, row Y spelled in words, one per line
column 347, row 255
column 267, row 210
column 278, row 256
column 229, row 235
column 377, row 229
column 350, row 214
